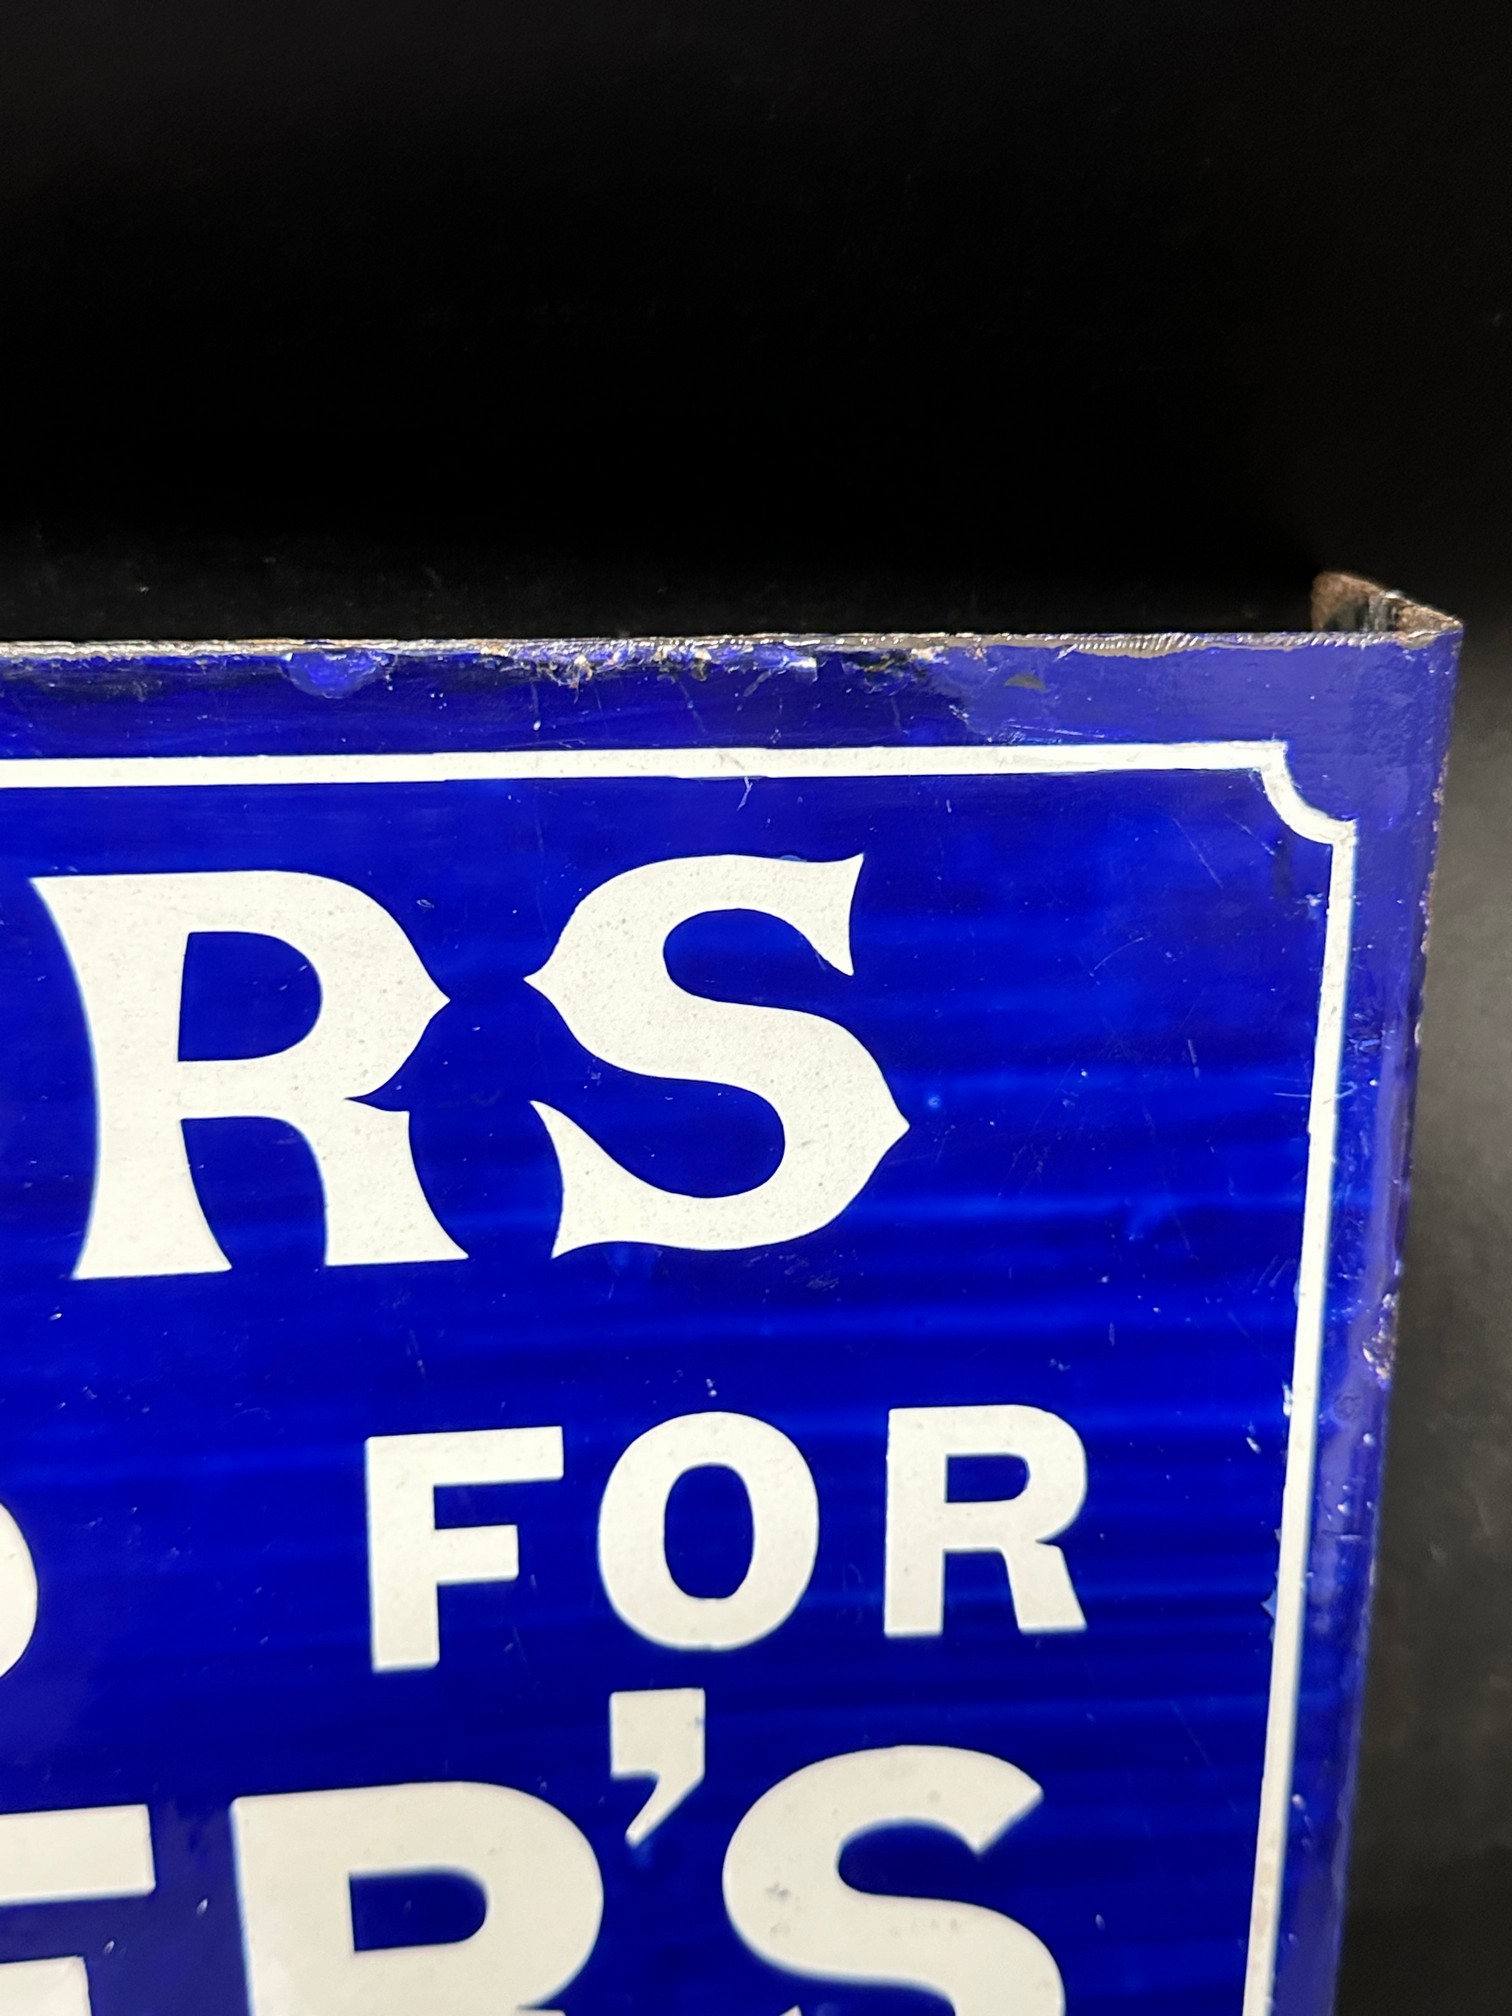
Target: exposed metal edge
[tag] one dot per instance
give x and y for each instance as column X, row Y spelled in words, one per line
column 1357, row 606
column 1347, row 608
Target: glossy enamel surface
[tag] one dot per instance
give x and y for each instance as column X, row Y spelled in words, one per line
column 1136, row 945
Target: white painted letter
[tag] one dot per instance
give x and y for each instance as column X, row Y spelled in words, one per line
column 18, row 1592
column 126, row 937
column 296, row 1855
column 633, row 1532
column 45, row 1988
column 657, row 1733
column 924, row 1524
column 69, row 1856
column 410, row 1557
column 608, row 980
column 787, row 1899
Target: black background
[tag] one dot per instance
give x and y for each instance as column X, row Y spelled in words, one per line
column 449, row 317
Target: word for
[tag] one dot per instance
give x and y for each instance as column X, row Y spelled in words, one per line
column 127, row 935
column 411, row 1558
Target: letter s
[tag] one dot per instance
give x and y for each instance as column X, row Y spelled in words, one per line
column 787, row 1899
column 608, row 980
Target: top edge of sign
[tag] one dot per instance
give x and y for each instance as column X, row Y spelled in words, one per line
column 1347, row 610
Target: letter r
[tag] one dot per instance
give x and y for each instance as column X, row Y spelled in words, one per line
column 126, row 937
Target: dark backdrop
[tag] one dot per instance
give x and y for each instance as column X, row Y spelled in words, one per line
column 510, row 316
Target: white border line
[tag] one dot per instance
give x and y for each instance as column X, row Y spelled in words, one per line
column 461, row 766
column 1302, row 1441
column 1268, row 762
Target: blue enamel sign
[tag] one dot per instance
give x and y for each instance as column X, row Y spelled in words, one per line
column 697, row 1326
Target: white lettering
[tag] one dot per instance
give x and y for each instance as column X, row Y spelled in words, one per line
column 74, row 1855
column 657, row 1733
column 787, row 1900
column 925, row 1525
column 608, row 980
column 45, row 1988
column 410, row 1558
column 126, row 937
column 18, row 1592
column 633, row 1532
column 296, row 1856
